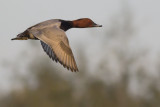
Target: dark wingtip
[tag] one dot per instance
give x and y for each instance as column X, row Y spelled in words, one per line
column 75, row 70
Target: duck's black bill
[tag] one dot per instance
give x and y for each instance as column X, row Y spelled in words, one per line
column 96, row 25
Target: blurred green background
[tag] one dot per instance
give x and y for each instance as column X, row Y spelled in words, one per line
column 118, row 63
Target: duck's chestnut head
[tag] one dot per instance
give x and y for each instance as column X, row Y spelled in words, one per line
column 84, row 23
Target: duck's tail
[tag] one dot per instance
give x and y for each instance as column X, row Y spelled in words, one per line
column 21, row 36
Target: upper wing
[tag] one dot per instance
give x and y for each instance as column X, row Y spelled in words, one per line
column 56, row 45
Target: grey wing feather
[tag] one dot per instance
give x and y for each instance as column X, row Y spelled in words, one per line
column 49, row 51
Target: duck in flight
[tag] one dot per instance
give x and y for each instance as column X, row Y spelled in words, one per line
column 54, row 41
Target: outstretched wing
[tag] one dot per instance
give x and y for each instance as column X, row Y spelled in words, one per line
column 55, row 43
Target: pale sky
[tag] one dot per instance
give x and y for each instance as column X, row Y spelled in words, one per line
column 17, row 15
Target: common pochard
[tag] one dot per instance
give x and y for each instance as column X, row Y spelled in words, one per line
column 54, row 41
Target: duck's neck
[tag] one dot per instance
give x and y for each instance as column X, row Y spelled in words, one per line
column 66, row 25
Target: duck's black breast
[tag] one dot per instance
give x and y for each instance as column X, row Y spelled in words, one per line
column 66, row 25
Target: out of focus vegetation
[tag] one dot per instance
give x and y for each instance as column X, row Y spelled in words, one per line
column 52, row 89
column 120, row 78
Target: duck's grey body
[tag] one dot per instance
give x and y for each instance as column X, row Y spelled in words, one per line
column 48, row 23
column 53, row 40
